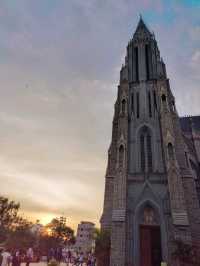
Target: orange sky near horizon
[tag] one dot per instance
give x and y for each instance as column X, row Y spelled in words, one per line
column 59, row 70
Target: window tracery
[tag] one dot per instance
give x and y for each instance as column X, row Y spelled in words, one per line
column 149, row 217
column 170, row 151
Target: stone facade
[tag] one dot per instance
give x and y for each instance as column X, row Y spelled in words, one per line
column 152, row 176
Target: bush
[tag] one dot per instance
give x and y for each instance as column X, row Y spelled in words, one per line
column 53, row 262
column 186, row 254
column 102, row 248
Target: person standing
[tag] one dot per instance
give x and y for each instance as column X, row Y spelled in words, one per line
column 59, row 254
column 69, row 255
column 1, row 258
column 29, row 256
column 5, row 255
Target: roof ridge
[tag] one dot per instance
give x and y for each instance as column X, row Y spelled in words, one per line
column 189, row 116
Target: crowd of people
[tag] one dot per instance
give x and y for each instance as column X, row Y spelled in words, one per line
column 71, row 257
column 54, row 255
column 15, row 258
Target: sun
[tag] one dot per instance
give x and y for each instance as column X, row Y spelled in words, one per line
column 46, row 218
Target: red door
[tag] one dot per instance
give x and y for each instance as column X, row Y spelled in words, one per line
column 150, row 246
column 145, row 246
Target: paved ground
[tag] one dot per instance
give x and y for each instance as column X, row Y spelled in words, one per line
column 45, row 264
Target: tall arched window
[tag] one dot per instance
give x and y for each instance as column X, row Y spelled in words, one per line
column 194, row 169
column 173, row 106
column 123, row 107
column 170, row 151
column 142, row 147
column 132, row 103
column 163, row 97
column 121, row 156
column 149, row 152
column 138, row 104
column 146, row 150
column 149, row 102
column 154, row 99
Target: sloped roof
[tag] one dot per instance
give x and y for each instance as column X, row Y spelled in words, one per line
column 187, row 123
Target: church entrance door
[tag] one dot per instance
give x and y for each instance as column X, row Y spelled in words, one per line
column 150, row 245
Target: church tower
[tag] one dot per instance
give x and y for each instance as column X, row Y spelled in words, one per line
column 151, row 197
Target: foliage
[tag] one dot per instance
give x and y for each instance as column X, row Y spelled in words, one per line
column 53, row 263
column 102, row 247
column 186, row 254
column 8, row 216
column 60, row 230
column 8, row 212
column 47, row 242
column 57, row 233
column 20, row 237
column 16, row 233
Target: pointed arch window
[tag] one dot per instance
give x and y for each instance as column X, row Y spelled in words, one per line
column 121, row 156
column 173, row 106
column 155, row 101
column 194, row 169
column 138, row 104
column 164, row 99
column 142, row 152
column 123, row 107
column 147, row 60
column 149, row 216
column 149, row 152
column 146, row 157
column 186, row 159
column 132, row 103
column 170, row 151
column 136, row 63
column 149, row 102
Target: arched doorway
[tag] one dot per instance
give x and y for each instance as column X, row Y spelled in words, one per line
column 150, row 238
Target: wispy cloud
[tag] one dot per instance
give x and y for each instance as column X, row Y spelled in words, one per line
column 59, row 69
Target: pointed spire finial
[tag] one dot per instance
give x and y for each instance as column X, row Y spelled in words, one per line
column 142, row 27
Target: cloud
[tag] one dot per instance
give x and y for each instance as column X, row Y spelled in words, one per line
column 196, row 57
column 59, row 70
column 195, row 33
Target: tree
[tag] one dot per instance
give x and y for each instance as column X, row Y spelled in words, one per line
column 8, row 216
column 102, row 247
column 59, row 230
column 186, row 254
column 20, row 236
column 47, row 242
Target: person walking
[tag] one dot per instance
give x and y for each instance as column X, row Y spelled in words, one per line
column 93, row 260
column 16, row 259
column 59, row 255
column 81, row 259
column 51, row 254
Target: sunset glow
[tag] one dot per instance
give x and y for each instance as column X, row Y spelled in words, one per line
column 59, row 82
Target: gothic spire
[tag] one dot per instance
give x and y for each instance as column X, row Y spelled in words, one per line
column 142, row 28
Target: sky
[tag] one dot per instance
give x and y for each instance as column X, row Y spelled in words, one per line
column 59, row 71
